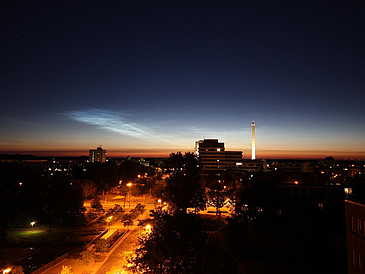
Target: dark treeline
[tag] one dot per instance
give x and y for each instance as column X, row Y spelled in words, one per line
column 32, row 192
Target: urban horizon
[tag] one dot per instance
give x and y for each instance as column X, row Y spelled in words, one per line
column 268, row 155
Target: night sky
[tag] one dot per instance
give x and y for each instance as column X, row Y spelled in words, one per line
column 146, row 78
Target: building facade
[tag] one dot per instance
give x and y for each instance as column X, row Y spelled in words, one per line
column 97, row 155
column 355, row 236
column 214, row 158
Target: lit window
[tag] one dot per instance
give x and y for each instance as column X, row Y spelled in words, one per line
column 218, row 149
column 361, row 263
column 353, row 224
column 359, row 227
column 347, row 190
column 354, row 259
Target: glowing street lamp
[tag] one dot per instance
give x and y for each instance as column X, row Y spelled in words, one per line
column 148, row 228
column 129, row 185
column 109, row 219
column 159, row 201
column 32, row 224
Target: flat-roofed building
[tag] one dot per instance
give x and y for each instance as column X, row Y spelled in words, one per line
column 214, row 158
column 97, row 155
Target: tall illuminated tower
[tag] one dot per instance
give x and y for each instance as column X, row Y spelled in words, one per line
column 253, row 154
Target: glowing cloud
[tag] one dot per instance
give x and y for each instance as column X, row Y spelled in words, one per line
column 111, row 121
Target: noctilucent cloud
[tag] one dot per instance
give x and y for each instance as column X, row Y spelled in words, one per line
column 146, row 78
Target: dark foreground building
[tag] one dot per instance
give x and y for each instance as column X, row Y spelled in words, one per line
column 355, row 222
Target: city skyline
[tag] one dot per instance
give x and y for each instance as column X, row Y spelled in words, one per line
column 147, row 79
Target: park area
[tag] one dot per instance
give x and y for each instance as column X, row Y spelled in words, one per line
column 31, row 248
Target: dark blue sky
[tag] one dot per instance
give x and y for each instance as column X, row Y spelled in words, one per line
column 143, row 77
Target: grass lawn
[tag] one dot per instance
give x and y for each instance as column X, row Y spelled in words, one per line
column 43, row 236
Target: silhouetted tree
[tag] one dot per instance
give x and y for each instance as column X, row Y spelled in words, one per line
column 183, row 189
column 63, row 201
column 183, row 192
column 96, row 204
column 89, row 188
column 175, row 245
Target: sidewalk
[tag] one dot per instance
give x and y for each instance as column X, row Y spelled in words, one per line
column 82, row 269
column 95, row 266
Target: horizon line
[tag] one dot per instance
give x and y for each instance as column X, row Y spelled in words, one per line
column 117, row 154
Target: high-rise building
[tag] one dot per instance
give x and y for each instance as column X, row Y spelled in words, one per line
column 214, row 158
column 253, row 154
column 97, row 155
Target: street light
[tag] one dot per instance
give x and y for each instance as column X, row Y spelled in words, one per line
column 109, row 220
column 129, row 185
column 32, row 224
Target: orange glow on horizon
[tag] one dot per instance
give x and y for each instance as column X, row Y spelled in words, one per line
column 159, row 153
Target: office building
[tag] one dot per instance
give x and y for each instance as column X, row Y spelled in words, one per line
column 97, row 155
column 214, row 158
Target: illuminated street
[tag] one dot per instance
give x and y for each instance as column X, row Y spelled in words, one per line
column 117, row 258
column 126, row 246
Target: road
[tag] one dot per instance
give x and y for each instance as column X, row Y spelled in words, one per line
column 128, row 243
column 117, row 257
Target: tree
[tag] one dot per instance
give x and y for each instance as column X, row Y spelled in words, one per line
column 217, row 260
column 175, row 245
column 217, row 194
column 117, row 212
column 86, row 258
column 17, row 270
column 183, row 189
column 183, row 192
column 89, row 188
column 63, row 200
column 217, row 198
column 127, row 220
column 96, row 204
column 66, row 270
column 101, row 245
